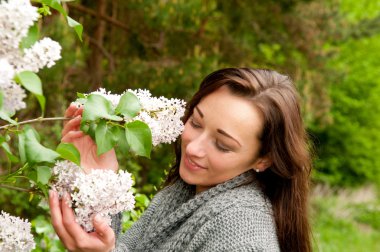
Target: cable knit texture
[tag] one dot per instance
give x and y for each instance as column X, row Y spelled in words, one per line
column 232, row 216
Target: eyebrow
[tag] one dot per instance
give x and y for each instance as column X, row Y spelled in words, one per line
column 199, row 112
column 219, row 130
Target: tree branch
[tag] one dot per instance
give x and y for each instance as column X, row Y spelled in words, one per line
column 91, row 12
column 39, row 119
column 103, row 51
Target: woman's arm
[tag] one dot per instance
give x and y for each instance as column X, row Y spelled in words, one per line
column 71, row 234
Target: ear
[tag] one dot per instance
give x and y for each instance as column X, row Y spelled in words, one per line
column 262, row 164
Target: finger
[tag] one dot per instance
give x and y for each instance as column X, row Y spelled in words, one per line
column 71, row 110
column 71, row 136
column 104, row 232
column 79, row 111
column 56, row 218
column 73, row 124
column 68, row 220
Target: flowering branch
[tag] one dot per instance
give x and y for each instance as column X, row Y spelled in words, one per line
column 39, row 119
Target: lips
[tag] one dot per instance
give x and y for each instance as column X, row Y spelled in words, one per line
column 191, row 165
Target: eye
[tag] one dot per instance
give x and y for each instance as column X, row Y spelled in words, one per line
column 221, row 147
column 194, row 124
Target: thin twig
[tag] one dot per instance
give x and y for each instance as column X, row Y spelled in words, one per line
column 34, row 191
column 15, row 188
column 39, row 119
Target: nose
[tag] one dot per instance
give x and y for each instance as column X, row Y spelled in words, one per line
column 196, row 147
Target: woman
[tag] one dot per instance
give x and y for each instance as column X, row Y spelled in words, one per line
column 240, row 181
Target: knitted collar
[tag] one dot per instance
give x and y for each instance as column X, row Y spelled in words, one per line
column 179, row 203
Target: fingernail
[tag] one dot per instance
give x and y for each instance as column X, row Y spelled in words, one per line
column 66, row 196
column 51, row 194
column 67, row 199
column 97, row 218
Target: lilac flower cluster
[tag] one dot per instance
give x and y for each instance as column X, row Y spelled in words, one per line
column 162, row 115
column 102, row 192
column 16, row 17
column 15, row 234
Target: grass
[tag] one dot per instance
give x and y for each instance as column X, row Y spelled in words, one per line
column 346, row 220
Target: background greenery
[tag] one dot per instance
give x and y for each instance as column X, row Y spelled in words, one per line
column 330, row 48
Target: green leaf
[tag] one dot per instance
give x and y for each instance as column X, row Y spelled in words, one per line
column 120, row 139
column 9, row 153
column 42, row 101
column 31, row 38
column 139, row 137
column 55, row 4
column 69, row 152
column 104, row 137
column 32, row 175
column 88, row 128
column 129, row 105
column 44, row 10
column 4, row 115
column 35, row 152
column 80, row 95
column 21, row 147
column 97, row 107
column 77, row 27
column 32, row 83
column 43, row 174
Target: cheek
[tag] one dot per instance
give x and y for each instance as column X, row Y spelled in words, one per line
column 186, row 135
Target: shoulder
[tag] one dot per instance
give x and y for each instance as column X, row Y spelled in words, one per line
column 242, row 219
column 247, row 197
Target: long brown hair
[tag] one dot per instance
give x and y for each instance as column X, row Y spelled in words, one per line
column 283, row 140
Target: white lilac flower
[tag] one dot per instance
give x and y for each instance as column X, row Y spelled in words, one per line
column 6, row 71
column 15, row 234
column 16, row 16
column 12, row 93
column 13, row 96
column 162, row 115
column 63, row 174
column 43, row 53
column 102, row 192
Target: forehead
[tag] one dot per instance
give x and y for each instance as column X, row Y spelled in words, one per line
column 238, row 116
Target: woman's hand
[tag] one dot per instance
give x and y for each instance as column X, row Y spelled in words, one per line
column 72, row 235
column 87, row 148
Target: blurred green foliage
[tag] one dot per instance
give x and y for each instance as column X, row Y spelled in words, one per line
column 330, row 48
column 346, row 219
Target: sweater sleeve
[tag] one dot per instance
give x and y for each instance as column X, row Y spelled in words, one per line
column 128, row 241
column 244, row 229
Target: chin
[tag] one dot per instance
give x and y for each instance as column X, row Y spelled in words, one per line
column 182, row 173
column 185, row 176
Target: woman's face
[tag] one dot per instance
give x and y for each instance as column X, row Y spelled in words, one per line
column 220, row 140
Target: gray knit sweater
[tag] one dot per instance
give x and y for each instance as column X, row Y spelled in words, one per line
column 232, row 216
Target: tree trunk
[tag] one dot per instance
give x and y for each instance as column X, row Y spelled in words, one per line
column 96, row 45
